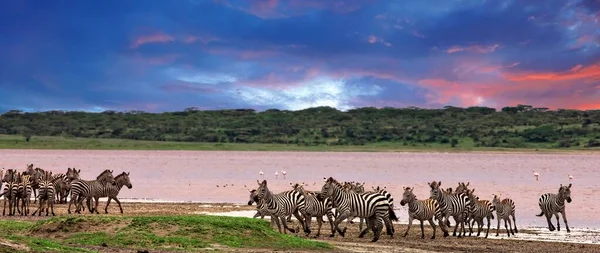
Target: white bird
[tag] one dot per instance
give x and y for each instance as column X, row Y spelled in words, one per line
column 261, row 174
column 536, row 175
column 570, row 177
column 276, row 174
column 283, row 172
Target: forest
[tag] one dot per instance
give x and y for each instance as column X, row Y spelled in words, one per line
column 518, row 126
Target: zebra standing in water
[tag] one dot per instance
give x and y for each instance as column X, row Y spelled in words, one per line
column 279, row 206
column 504, row 210
column 313, row 207
column 482, row 209
column 372, row 206
column 46, row 194
column 111, row 191
column 10, row 192
column 552, row 204
column 456, row 205
column 422, row 210
column 81, row 189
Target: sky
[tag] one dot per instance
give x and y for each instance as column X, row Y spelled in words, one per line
column 157, row 56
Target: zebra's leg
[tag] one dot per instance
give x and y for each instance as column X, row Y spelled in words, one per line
column 514, row 222
column 389, row 226
column 289, row 218
column 442, row 225
column 422, row 230
column 4, row 209
column 432, row 227
column 456, row 227
column 342, row 216
column 258, row 214
column 361, row 221
column 506, row 226
column 119, row 203
column 330, row 219
column 106, row 207
column 410, row 221
column 510, row 226
column 97, row 201
column 319, row 224
column 462, row 226
column 307, row 221
column 296, row 214
column 285, row 226
column 564, row 215
column 41, row 202
column 377, row 226
column 70, row 202
column 549, row 219
column 51, row 204
column 488, row 226
column 276, row 219
column 498, row 226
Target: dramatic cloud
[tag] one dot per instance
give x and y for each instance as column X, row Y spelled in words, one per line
column 294, row 54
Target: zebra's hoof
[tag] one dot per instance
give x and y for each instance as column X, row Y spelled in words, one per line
column 375, row 239
column 331, row 235
column 446, row 234
column 432, row 237
column 516, row 231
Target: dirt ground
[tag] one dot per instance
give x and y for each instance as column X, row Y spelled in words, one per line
column 349, row 243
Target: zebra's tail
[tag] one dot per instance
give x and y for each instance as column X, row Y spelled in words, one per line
column 393, row 216
column 540, row 215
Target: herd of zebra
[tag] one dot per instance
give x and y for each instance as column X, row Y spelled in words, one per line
column 48, row 188
column 349, row 200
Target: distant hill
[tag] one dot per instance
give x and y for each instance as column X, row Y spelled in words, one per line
column 512, row 127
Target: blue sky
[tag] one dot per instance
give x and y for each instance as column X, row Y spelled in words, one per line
column 214, row 54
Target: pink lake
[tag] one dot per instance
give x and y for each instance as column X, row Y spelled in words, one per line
column 194, row 175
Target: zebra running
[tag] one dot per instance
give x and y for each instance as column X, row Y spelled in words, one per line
column 422, row 210
column 10, row 192
column 313, row 207
column 258, row 210
column 553, row 204
column 24, row 193
column 482, row 209
column 46, row 194
column 111, row 191
column 456, row 205
column 372, row 206
column 279, row 206
column 81, row 189
column 505, row 208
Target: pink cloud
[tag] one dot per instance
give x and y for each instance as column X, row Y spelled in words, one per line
column 154, row 38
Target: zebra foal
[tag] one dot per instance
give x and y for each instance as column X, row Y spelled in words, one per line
column 422, row 210
column 553, row 204
column 505, row 209
column 482, row 209
column 313, row 207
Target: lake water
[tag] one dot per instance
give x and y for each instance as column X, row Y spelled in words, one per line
column 195, row 175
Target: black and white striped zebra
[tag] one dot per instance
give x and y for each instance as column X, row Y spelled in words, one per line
column 46, row 194
column 372, row 206
column 505, row 209
column 10, row 191
column 422, row 210
column 314, row 207
column 111, row 191
column 482, row 209
column 553, row 204
column 456, row 205
column 258, row 211
column 62, row 184
column 279, row 206
column 81, row 189
column 24, row 193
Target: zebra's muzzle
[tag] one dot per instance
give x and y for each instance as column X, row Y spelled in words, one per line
column 402, row 203
column 250, row 202
column 569, row 200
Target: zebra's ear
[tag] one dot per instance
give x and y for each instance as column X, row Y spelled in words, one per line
column 257, row 182
column 468, row 183
column 569, row 185
column 411, row 189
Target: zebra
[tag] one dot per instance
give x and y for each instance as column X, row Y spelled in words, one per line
column 46, row 194
column 83, row 188
column 111, row 191
column 552, row 204
column 10, row 192
column 504, row 210
column 383, row 191
column 258, row 210
column 482, row 209
column 36, row 174
column 24, row 193
column 372, row 206
column 422, row 210
column 279, row 206
column 313, row 207
column 456, row 205
column 62, row 184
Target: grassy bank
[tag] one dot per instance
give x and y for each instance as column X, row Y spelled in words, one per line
column 100, row 233
column 45, row 142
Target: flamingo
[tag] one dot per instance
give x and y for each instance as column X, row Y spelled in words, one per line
column 276, row 174
column 536, row 175
column 570, row 177
column 283, row 172
column 261, row 174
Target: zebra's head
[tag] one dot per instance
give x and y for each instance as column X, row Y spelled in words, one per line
column 106, row 177
column 253, row 197
column 496, row 201
column 462, row 187
column 472, row 198
column 408, row 196
column 329, row 186
column 263, row 191
column 564, row 192
column 123, row 179
column 435, row 192
column 72, row 174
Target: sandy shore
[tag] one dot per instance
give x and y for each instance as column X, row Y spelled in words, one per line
column 529, row 240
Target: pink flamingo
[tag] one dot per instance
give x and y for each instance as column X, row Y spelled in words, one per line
column 283, row 172
column 570, row 177
column 536, row 175
column 276, row 174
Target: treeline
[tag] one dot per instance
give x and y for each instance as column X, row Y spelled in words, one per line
column 513, row 127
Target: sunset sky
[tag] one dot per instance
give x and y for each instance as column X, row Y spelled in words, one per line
column 216, row 54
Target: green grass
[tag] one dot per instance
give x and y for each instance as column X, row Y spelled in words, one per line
column 45, row 142
column 197, row 232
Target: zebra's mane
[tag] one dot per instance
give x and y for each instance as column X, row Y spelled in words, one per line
column 102, row 174
column 334, row 182
column 120, row 175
